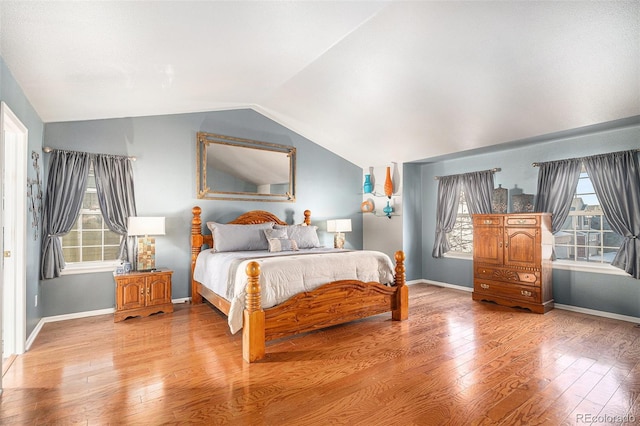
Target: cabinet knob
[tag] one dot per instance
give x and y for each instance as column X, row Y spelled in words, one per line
column 522, row 221
column 485, row 286
column 525, row 293
column 488, row 221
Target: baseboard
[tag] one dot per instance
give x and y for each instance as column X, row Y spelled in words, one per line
column 44, row 320
column 597, row 313
column 441, row 284
column 76, row 315
column 571, row 308
column 38, row 327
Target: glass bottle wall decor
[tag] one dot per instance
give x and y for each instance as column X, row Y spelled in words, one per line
column 388, row 184
column 368, row 186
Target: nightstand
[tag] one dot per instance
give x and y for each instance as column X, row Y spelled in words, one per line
column 142, row 293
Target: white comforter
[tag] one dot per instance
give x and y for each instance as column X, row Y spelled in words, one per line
column 285, row 275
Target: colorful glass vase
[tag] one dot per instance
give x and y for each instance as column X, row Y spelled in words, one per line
column 388, row 184
column 368, row 186
column 388, row 210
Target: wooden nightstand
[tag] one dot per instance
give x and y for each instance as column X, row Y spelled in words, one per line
column 142, row 294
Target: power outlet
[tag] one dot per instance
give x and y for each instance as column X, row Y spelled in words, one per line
column 36, row 301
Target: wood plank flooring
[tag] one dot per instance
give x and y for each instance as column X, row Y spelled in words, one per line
column 454, row 362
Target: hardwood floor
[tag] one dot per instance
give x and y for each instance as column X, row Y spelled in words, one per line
column 454, row 361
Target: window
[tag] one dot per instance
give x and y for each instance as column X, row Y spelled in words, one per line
column 586, row 235
column 90, row 241
column 461, row 237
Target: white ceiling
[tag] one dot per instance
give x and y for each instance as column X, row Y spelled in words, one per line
column 374, row 82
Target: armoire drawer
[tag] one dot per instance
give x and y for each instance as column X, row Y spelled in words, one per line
column 487, row 220
column 507, row 275
column 522, row 220
column 510, row 291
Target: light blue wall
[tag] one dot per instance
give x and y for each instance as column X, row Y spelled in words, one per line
column 412, row 220
column 609, row 293
column 13, row 96
column 165, row 179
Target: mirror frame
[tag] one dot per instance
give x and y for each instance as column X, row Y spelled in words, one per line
column 203, row 140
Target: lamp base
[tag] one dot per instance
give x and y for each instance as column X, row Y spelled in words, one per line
column 338, row 240
column 146, row 260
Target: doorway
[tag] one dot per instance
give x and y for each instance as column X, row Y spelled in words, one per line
column 13, row 146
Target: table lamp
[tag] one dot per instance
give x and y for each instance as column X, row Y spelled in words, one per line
column 145, row 228
column 339, row 226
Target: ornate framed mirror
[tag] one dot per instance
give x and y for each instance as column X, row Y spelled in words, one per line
column 230, row 168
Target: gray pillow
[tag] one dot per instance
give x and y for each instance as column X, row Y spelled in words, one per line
column 239, row 237
column 275, row 233
column 282, row 244
column 305, row 236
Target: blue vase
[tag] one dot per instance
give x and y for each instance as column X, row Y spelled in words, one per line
column 368, row 187
column 388, row 210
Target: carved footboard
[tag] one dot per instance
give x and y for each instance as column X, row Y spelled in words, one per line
column 331, row 304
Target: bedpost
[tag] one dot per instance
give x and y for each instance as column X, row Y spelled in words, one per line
column 307, row 217
column 196, row 246
column 253, row 343
column 402, row 293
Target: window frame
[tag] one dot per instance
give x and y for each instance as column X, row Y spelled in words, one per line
column 462, row 212
column 72, row 268
column 585, row 265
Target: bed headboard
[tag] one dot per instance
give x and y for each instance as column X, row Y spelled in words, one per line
column 198, row 239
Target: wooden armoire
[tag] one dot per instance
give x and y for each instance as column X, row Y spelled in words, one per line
column 512, row 260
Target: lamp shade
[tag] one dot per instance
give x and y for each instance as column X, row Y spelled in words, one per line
column 138, row 225
column 339, row 225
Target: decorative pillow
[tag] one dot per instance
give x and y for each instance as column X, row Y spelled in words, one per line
column 228, row 237
column 282, row 244
column 275, row 233
column 305, row 236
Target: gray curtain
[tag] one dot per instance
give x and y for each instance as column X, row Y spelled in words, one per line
column 616, row 180
column 447, row 211
column 478, row 191
column 66, row 185
column 557, row 182
column 114, row 186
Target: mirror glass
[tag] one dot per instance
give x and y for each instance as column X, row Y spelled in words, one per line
column 231, row 168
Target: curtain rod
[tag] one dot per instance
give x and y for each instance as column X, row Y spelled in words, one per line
column 48, row 149
column 495, row 169
column 588, row 156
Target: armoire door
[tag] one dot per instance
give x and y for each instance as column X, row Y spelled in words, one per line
column 521, row 246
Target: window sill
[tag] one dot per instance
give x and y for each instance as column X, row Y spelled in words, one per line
column 588, row 267
column 458, row 255
column 559, row 264
column 89, row 268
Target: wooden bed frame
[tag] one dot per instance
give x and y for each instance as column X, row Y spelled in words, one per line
column 325, row 306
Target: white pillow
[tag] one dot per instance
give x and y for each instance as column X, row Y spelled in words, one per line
column 230, row 237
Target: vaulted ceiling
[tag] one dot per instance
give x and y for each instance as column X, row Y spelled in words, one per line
column 373, row 81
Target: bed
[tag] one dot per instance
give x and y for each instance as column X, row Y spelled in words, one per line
column 329, row 303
